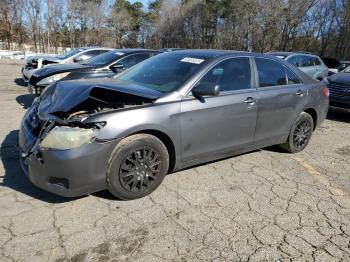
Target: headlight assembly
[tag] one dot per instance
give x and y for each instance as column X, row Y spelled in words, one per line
column 52, row 79
column 65, row 137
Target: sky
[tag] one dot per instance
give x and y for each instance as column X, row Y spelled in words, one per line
column 145, row 2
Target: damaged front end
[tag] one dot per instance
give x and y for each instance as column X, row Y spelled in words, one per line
column 60, row 145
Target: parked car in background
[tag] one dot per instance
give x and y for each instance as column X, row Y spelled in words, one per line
column 345, row 64
column 339, row 88
column 73, row 56
column 171, row 111
column 310, row 64
column 333, row 64
column 104, row 65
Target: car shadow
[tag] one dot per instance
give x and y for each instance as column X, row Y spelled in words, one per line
column 14, row 176
column 20, row 82
column 105, row 194
column 339, row 114
column 25, row 100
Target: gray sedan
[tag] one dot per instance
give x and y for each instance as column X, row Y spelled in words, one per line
column 169, row 112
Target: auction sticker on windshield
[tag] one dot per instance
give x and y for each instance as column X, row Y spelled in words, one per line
column 192, row 60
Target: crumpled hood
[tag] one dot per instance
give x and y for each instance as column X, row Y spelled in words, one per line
column 66, row 95
column 58, row 68
column 342, row 79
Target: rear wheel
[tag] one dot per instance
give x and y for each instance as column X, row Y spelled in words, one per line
column 137, row 166
column 300, row 133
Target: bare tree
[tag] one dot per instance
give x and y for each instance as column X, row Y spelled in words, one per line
column 320, row 26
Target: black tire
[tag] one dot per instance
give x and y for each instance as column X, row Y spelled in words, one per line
column 300, row 133
column 137, row 166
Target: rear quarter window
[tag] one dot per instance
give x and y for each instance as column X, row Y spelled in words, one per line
column 317, row 61
column 292, row 78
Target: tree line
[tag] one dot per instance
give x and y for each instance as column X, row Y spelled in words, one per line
column 318, row 26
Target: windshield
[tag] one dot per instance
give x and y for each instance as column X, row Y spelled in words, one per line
column 104, row 59
column 69, row 53
column 165, row 72
column 347, row 70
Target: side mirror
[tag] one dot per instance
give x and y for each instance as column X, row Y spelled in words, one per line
column 206, row 89
column 77, row 59
column 116, row 68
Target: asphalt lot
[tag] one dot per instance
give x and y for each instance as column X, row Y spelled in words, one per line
column 265, row 205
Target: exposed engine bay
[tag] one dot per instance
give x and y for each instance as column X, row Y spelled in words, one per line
column 59, row 124
column 101, row 100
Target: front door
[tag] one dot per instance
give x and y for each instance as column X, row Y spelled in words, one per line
column 226, row 122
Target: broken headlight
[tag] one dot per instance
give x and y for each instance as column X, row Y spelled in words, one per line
column 65, row 137
column 52, row 79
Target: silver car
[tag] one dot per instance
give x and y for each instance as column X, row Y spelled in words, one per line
column 311, row 65
column 171, row 111
column 73, row 56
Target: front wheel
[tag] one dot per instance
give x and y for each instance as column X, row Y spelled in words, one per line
column 137, row 166
column 300, row 133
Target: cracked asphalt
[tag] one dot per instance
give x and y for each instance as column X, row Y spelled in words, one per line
column 265, row 205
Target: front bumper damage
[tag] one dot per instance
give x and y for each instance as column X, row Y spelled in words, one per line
column 68, row 173
column 81, row 170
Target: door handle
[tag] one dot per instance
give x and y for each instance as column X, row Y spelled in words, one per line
column 250, row 100
column 299, row 93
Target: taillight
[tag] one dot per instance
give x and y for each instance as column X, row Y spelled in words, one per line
column 325, row 91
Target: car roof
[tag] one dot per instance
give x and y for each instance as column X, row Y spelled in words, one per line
column 94, row 47
column 132, row 50
column 279, row 53
column 209, row 53
column 286, row 54
column 125, row 50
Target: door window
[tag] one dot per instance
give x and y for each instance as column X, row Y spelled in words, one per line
column 295, row 60
column 270, row 72
column 132, row 60
column 231, row 74
column 307, row 61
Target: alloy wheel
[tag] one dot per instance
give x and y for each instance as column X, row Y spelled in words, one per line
column 139, row 170
column 302, row 133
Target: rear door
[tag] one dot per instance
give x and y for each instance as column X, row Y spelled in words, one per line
column 280, row 93
column 216, row 124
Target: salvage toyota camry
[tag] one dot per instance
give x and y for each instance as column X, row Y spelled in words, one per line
column 169, row 112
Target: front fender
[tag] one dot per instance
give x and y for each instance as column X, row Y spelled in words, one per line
column 164, row 118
